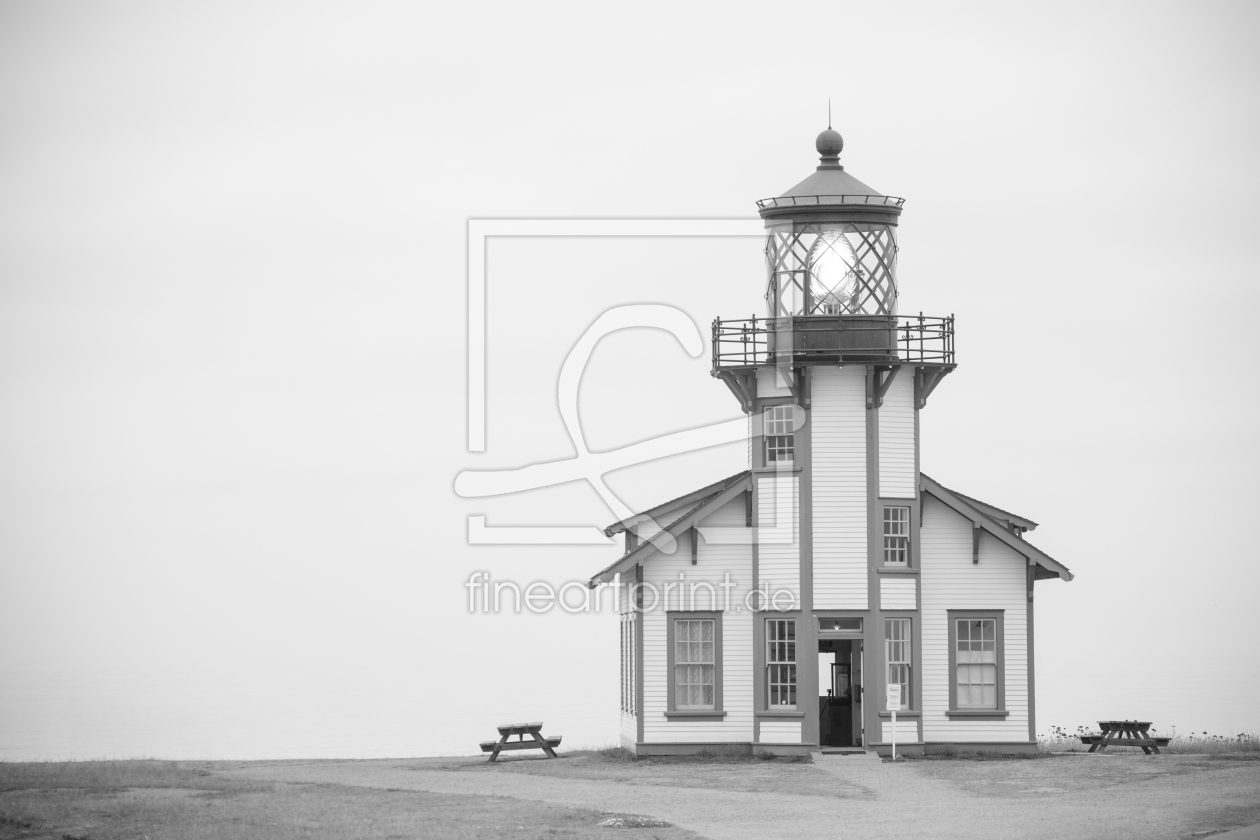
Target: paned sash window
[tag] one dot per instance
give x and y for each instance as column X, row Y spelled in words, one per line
column 896, row 535
column 897, row 648
column 694, row 664
column 778, row 432
column 976, row 663
column 627, row 663
column 781, row 663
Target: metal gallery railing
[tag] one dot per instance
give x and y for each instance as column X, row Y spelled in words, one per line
column 821, row 339
column 807, row 200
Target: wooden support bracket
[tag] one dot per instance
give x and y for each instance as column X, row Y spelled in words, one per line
column 975, row 542
column 925, row 382
column 883, row 379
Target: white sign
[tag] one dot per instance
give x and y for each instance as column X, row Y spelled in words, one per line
column 893, row 696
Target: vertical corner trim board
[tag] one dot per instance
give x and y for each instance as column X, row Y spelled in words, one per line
column 780, row 732
column 897, row 475
column 898, row 593
column 778, row 533
column 838, row 442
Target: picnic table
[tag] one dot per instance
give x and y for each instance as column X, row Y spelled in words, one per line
column 537, row 742
column 1125, row 733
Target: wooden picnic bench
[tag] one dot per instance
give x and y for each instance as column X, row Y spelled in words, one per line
column 1125, row 733
column 536, row 742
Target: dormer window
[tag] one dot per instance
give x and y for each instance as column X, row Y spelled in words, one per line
column 778, row 433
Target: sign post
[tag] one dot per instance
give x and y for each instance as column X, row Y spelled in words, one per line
column 892, row 697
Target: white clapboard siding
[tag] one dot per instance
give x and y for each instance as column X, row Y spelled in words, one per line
column 952, row 582
column 897, row 593
column 780, row 732
column 897, row 475
column 712, row 563
column 838, row 441
column 907, row 731
column 629, row 730
column 770, row 385
column 778, row 536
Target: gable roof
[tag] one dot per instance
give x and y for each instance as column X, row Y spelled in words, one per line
column 698, row 504
column 693, row 498
column 1047, row 566
column 1013, row 521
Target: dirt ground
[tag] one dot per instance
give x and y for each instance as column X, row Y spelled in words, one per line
column 1077, row 796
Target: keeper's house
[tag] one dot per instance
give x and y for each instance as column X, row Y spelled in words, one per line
column 770, row 610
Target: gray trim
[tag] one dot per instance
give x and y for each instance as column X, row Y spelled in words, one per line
column 1032, row 683
column 1002, row 747
column 689, row 714
column 796, row 467
column 692, row 615
column 903, row 713
column 797, row 713
column 874, row 668
column 893, row 570
column 806, row 629
column 952, row 616
column 691, row 747
column 977, row 714
column 638, row 654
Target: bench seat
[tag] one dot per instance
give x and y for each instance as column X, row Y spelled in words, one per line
column 1124, row 742
column 531, row 744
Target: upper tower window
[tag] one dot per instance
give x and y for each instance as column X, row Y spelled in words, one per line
column 778, row 433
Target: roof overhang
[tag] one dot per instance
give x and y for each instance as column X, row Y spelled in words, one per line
column 1048, row 566
column 726, row 490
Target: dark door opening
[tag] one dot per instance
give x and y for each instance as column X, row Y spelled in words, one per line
column 840, row 692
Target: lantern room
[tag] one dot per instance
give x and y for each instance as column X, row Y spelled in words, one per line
column 831, row 244
column 831, row 291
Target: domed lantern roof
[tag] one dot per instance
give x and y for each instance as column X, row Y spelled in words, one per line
column 831, row 243
column 831, row 187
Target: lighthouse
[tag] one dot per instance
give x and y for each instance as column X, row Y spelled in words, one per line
column 855, row 571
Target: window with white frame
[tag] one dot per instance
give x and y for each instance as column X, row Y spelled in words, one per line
column 627, row 663
column 897, row 651
column 781, row 663
column 896, row 536
column 777, row 429
column 975, row 658
column 694, row 664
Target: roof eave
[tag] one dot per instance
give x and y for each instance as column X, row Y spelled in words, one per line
column 649, row 546
column 961, row 506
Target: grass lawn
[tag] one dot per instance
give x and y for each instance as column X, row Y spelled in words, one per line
column 185, row 800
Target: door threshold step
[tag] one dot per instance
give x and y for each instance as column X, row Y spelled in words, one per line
column 843, row 751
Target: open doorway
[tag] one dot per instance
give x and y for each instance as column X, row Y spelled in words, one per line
column 840, row 692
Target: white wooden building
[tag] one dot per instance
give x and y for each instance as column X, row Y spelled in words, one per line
column 770, row 610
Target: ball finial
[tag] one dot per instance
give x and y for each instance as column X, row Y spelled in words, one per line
column 829, row 143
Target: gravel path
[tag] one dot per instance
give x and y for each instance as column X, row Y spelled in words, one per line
column 1173, row 797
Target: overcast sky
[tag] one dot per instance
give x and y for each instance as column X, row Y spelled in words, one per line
column 232, row 339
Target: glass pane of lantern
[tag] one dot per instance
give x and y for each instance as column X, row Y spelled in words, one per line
column 835, row 275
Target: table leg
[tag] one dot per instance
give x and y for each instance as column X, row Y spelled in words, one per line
column 542, row 742
column 495, row 753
